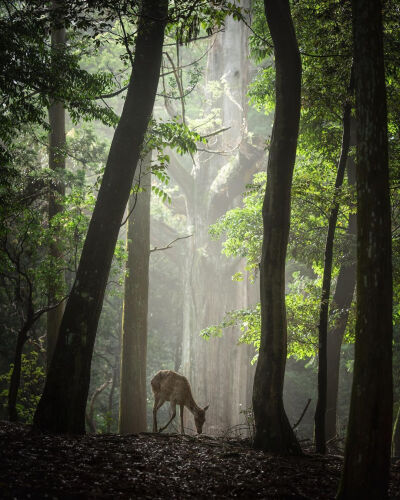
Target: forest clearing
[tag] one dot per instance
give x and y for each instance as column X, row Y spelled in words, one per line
column 199, row 235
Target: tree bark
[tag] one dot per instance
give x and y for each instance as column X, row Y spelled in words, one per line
column 89, row 416
column 57, row 144
column 133, row 392
column 367, row 454
column 114, row 383
column 210, row 189
column 320, row 411
column 341, row 304
column 62, row 406
column 273, row 432
column 396, row 435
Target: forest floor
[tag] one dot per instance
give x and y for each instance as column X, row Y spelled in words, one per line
column 35, row 465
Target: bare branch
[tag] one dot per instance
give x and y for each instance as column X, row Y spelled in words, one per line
column 302, row 415
column 89, row 414
column 125, row 37
column 48, row 308
column 179, row 84
column 157, row 249
column 212, row 134
column 112, row 94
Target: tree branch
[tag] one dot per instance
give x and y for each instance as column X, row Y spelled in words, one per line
column 157, row 249
column 302, row 415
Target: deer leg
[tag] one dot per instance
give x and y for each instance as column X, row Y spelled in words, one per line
column 173, row 408
column 182, row 428
column 158, row 402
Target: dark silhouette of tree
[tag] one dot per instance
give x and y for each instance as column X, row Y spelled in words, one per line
column 320, row 412
column 62, row 406
column 367, row 454
column 273, row 432
column 340, row 307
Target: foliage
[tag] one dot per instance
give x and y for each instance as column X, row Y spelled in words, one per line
column 34, row 73
column 302, row 302
column 243, row 227
column 188, row 18
column 32, row 380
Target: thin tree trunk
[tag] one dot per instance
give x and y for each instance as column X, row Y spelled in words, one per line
column 133, row 393
column 111, row 396
column 273, row 431
column 16, row 372
column 62, row 406
column 341, row 304
column 90, row 413
column 320, row 412
column 57, row 143
column 367, row 454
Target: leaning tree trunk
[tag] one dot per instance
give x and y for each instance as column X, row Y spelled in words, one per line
column 273, row 432
column 341, row 303
column 57, row 143
column 320, row 412
column 133, row 393
column 62, row 406
column 367, row 454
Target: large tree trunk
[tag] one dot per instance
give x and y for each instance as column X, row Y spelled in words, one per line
column 367, row 455
column 320, row 412
column 273, row 431
column 340, row 306
column 57, row 143
column 396, row 435
column 219, row 370
column 133, row 394
column 62, row 406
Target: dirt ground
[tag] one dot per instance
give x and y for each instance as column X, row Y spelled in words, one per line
column 35, row 465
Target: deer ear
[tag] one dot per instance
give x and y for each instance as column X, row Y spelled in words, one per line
column 206, row 407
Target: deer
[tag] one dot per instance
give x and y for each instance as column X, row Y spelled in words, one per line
column 168, row 385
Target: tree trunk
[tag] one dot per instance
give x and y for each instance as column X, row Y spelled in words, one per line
column 114, row 383
column 341, row 304
column 89, row 415
column 396, row 436
column 273, row 432
column 367, row 454
column 62, row 406
column 320, row 412
column 57, row 144
column 214, row 185
column 133, row 392
column 16, row 372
